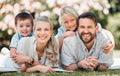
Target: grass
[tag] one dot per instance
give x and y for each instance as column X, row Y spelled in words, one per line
column 77, row 73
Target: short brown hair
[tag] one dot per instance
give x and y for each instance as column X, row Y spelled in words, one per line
column 23, row 16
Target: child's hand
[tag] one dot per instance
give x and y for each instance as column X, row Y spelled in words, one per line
column 23, row 67
column 69, row 33
column 108, row 47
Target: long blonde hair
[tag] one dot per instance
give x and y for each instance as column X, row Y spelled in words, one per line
column 52, row 48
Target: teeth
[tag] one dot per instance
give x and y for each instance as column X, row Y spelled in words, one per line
column 86, row 35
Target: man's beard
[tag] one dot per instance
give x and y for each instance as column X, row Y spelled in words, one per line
column 87, row 40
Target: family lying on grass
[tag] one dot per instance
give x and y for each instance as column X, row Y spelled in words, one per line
column 80, row 44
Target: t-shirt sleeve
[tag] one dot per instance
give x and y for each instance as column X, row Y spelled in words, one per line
column 61, row 30
column 103, row 57
column 107, row 59
column 67, row 54
column 14, row 41
column 22, row 45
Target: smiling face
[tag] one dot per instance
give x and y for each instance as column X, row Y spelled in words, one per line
column 42, row 31
column 24, row 27
column 87, row 30
column 69, row 22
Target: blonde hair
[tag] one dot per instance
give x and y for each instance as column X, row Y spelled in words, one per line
column 52, row 48
column 67, row 10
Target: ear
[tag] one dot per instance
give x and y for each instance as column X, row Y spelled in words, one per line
column 97, row 27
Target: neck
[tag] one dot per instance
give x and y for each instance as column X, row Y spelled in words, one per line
column 89, row 45
column 40, row 47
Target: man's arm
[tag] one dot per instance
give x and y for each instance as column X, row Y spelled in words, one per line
column 67, row 54
column 71, row 67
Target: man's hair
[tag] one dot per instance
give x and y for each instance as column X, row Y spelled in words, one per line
column 88, row 15
column 23, row 16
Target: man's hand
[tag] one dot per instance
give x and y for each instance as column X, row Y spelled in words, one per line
column 89, row 63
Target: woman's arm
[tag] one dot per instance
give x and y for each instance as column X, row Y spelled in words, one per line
column 40, row 68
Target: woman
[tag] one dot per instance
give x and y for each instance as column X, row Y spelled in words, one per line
column 40, row 52
column 68, row 20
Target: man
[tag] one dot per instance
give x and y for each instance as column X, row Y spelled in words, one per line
column 85, row 50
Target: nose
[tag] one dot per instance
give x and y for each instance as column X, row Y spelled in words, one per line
column 24, row 28
column 85, row 30
column 42, row 32
column 70, row 23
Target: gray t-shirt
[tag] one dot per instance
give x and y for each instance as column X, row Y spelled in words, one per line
column 27, row 46
column 74, row 50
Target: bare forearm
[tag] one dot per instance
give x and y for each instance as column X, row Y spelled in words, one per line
column 61, row 42
column 71, row 67
column 32, row 69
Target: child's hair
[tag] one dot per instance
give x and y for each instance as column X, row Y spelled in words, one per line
column 67, row 10
column 23, row 16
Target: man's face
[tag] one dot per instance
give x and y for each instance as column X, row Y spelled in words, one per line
column 87, row 30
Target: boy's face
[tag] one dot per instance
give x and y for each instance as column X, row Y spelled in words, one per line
column 24, row 27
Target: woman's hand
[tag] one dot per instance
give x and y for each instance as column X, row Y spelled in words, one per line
column 40, row 68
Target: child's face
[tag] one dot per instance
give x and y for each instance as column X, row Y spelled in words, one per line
column 69, row 22
column 24, row 27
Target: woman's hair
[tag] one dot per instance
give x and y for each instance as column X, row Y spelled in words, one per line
column 67, row 10
column 52, row 48
column 23, row 16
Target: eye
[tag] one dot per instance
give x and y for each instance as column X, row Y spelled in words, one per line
column 72, row 20
column 65, row 22
column 20, row 25
column 39, row 29
column 81, row 26
column 46, row 29
column 28, row 25
column 89, row 27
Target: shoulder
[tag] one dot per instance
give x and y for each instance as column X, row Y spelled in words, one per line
column 61, row 29
column 16, row 35
column 70, row 40
column 102, row 35
column 27, row 39
column 102, row 38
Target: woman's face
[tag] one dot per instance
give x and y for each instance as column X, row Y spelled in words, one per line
column 69, row 22
column 42, row 31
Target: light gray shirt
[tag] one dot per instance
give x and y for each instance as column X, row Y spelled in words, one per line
column 27, row 46
column 74, row 50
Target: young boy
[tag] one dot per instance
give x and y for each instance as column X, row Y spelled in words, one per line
column 24, row 25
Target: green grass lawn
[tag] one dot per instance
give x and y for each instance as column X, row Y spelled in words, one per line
column 77, row 73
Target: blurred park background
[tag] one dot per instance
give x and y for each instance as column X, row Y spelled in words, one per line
column 107, row 12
